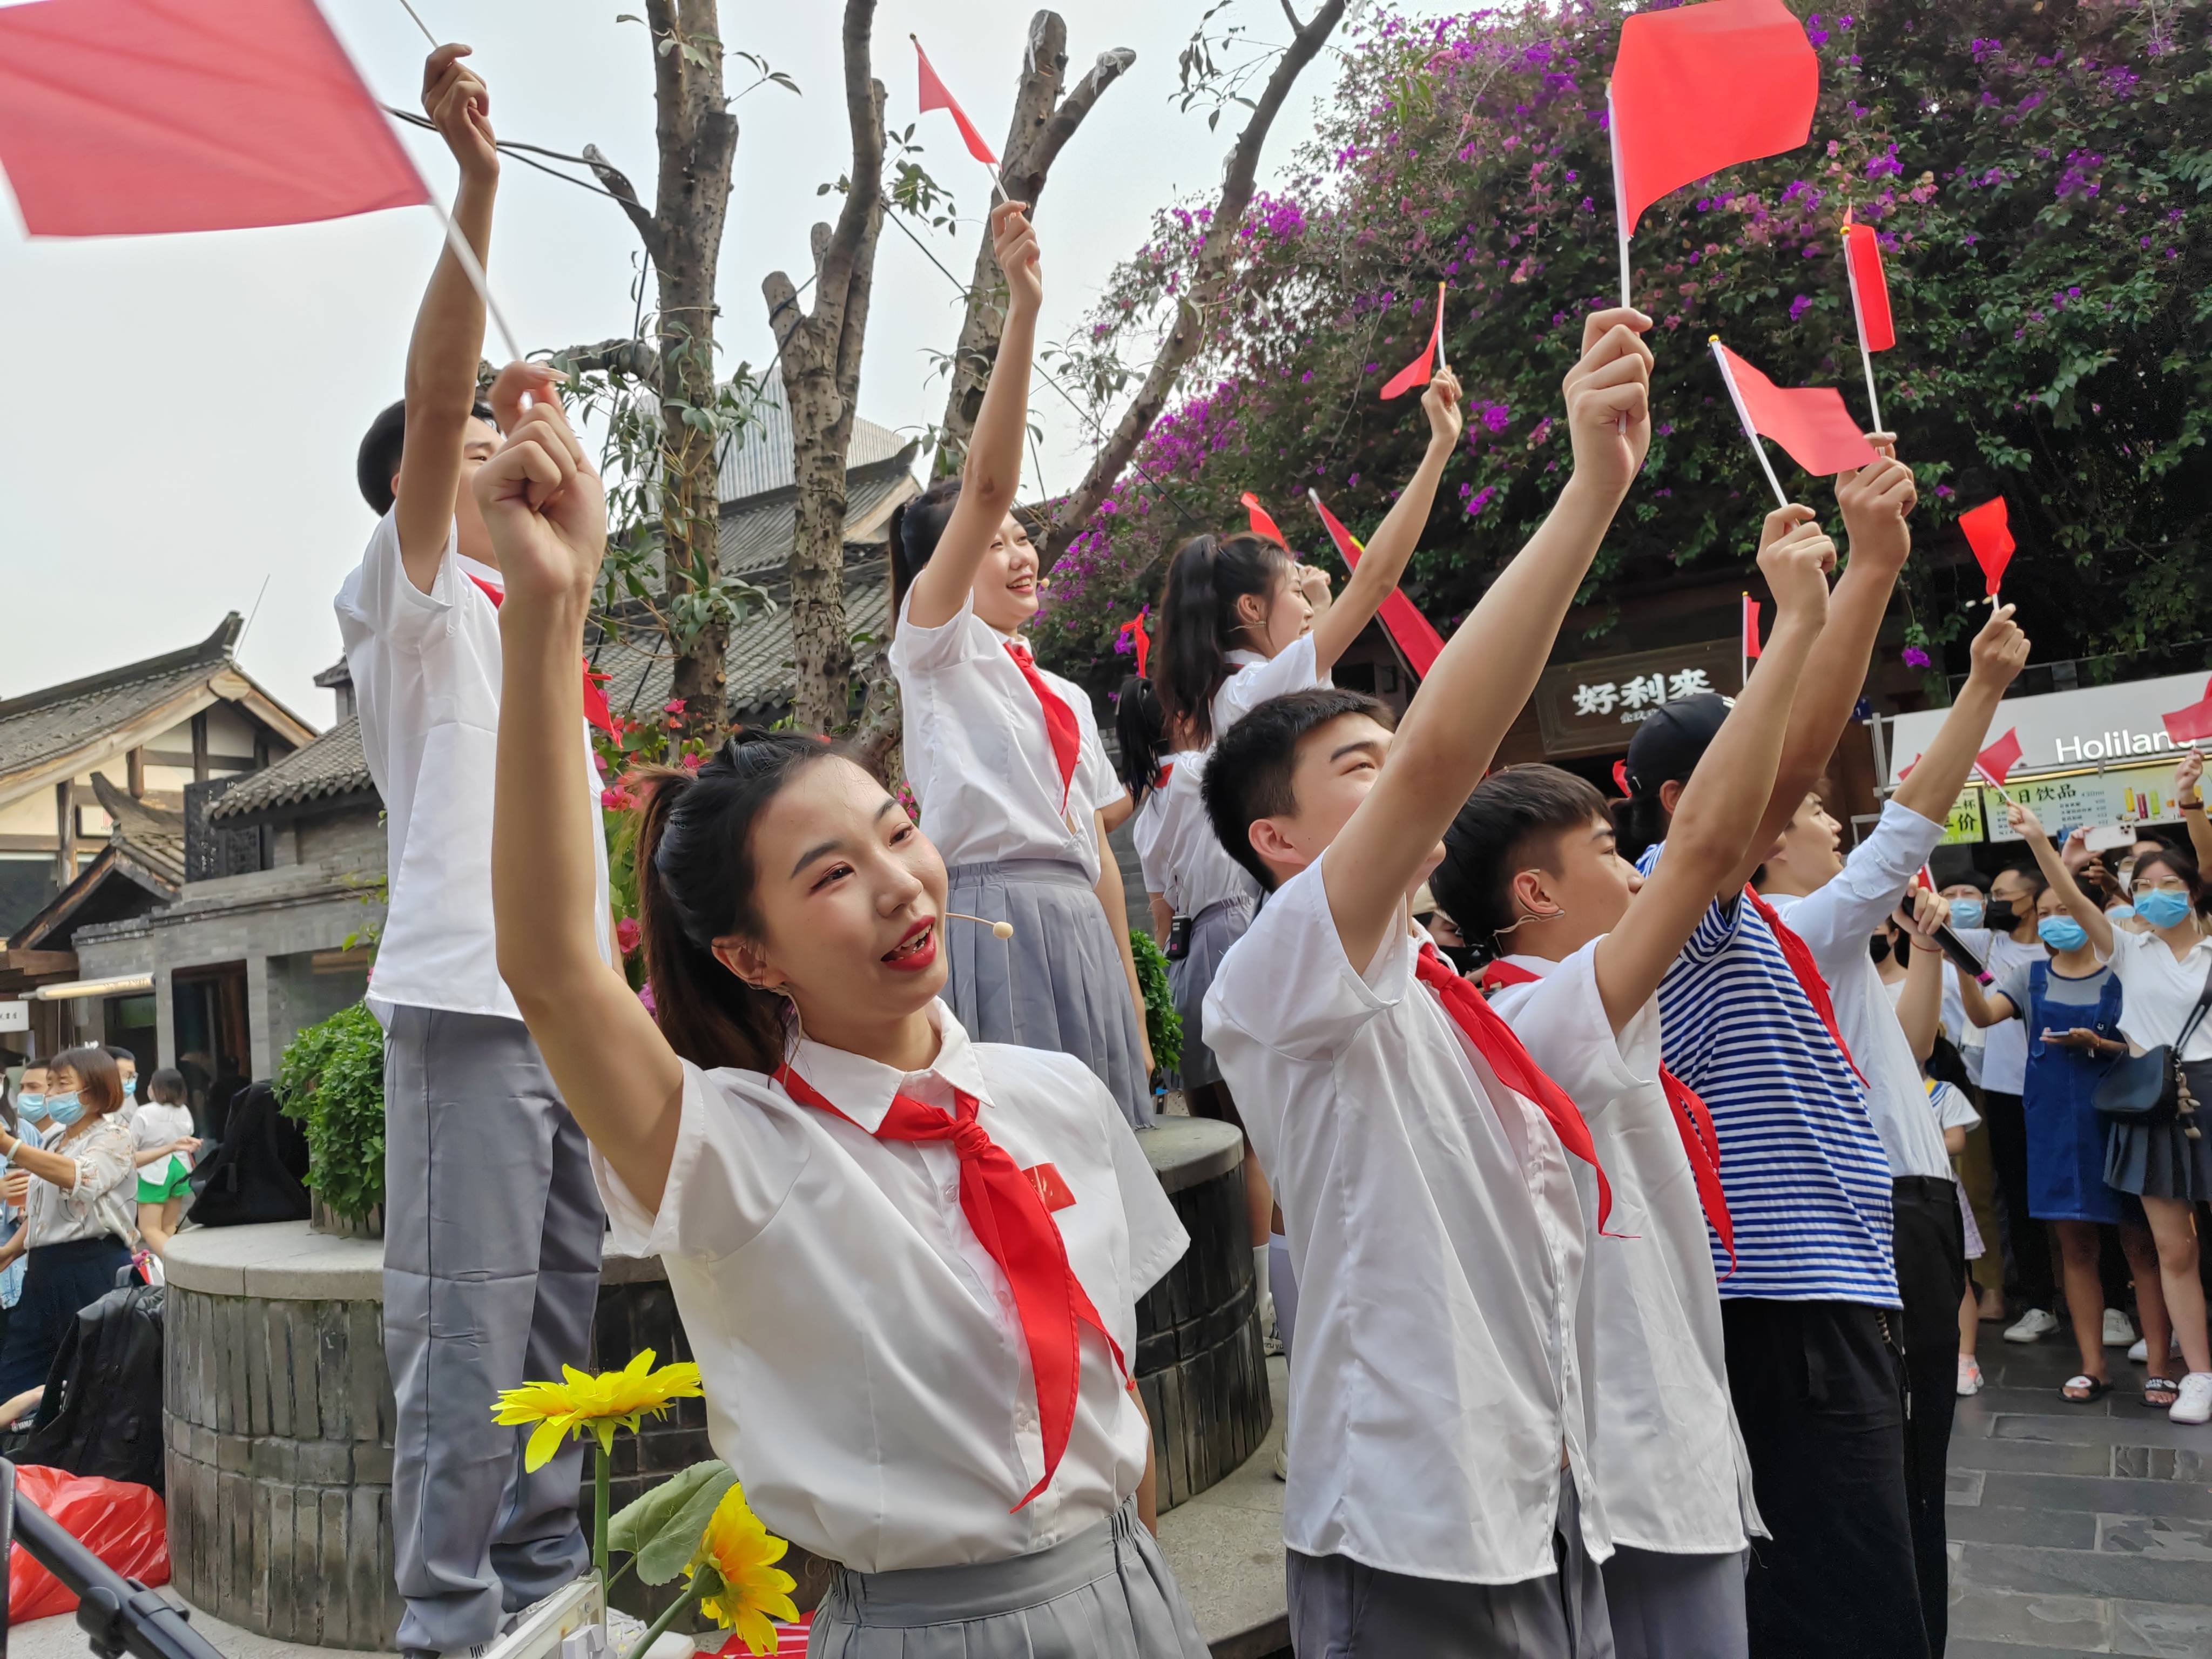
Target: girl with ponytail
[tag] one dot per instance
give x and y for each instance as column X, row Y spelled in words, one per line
column 1004, row 756
column 1242, row 621
column 915, row 1344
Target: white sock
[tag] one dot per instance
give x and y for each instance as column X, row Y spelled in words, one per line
column 1259, row 1275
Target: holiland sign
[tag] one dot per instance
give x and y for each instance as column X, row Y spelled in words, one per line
column 2093, row 726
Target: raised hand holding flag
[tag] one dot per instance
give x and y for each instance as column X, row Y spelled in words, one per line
column 1809, row 423
column 935, row 95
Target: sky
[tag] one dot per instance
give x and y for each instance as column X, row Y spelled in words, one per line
column 185, row 411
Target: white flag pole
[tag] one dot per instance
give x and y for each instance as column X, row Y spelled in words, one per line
column 1619, row 195
column 1440, row 364
column 1750, row 432
column 1866, row 357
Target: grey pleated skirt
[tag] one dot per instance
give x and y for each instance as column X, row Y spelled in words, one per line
column 1105, row 1593
column 1212, row 930
column 1057, row 983
column 2157, row 1160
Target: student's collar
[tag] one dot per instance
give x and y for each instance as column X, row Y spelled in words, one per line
column 1541, row 967
column 482, row 571
column 1243, row 658
column 862, row 1089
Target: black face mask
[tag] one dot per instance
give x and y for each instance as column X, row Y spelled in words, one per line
column 1999, row 916
column 1462, row 957
column 1878, row 948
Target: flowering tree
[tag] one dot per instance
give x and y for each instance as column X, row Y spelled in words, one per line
column 2038, row 180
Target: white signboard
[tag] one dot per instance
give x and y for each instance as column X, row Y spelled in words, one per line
column 14, row 1016
column 2090, row 725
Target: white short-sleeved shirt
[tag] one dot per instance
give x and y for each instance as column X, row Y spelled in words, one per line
column 2159, row 992
column 866, row 1370
column 1835, row 921
column 426, row 668
column 1663, row 1435
column 1253, row 678
column 1952, row 1108
column 1438, row 1238
column 157, row 1125
column 978, row 754
column 1144, row 836
column 1196, row 870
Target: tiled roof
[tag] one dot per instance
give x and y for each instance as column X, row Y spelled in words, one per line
column 763, row 461
column 757, row 536
column 42, row 726
column 332, row 765
column 153, row 835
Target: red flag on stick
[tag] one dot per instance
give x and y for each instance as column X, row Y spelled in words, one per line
column 1994, row 763
column 1810, row 423
column 1418, row 372
column 2194, row 723
column 1989, row 534
column 1701, row 87
column 126, row 118
column 1419, row 642
column 1141, row 641
column 1750, row 628
column 1869, row 288
column 936, row 95
column 1262, row 525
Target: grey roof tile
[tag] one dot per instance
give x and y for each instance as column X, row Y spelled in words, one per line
column 332, row 765
column 43, row 725
column 763, row 462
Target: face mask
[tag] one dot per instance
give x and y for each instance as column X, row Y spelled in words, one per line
column 2162, row 907
column 129, row 1088
column 31, row 1107
column 1966, row 912
column 1878, row 948
column 2061, row 933
column 2121, row 913
column 1999, row 916
column 65, row 1109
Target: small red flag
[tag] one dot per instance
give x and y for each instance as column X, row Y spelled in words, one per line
column 1701, row 87
column 935, row 95
column 1412, row 632
column 132, row 117
column 1418, row 373
column 1989, row 534
column 1750, row 628
column 1809, row 421
column 1869, row 288
column 1262, row 525
column 1140, row 642
column 2194, row 723
column 1994, row 763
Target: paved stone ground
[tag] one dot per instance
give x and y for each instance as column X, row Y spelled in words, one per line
column 2076, row 1529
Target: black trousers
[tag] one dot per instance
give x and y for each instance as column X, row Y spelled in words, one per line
column 1818, row 1389
column 2024, row 1234
column 1931, row 1276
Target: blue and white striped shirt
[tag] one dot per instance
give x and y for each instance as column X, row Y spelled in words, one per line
column 1806, row 1180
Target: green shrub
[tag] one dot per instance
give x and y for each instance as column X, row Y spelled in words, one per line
column 331, row 1080
column 1163, row 1025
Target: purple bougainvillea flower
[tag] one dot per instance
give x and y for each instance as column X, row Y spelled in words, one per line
column 1915, row 657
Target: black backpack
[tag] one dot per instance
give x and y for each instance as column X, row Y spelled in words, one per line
column 255, row 1172
column 102, row 1410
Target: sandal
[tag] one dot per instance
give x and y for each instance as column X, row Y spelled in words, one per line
column 2158, row 1392
column 2091, row 1389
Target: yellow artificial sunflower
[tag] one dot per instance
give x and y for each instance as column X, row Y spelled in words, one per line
column 600, row 1405
column 754, row 1590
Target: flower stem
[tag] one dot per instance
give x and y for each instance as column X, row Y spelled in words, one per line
column 682, row 1605
column 602, row 1471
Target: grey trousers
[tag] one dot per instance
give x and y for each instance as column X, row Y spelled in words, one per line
column 492, row 1228
column 1676, row 1607
column 1341, row 1609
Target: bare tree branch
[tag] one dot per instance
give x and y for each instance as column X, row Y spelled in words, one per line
column 1209, row 280
column 619, row 187
column 1296, row 25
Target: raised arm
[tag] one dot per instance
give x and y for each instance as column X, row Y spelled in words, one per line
column 448, row 338
column 547, row 516
column 1875, row 502
column 1338, row 625
column 1998, row 653
column 1479, row 683
column 1920, row 1010
column 2079, row 905
column 1726, row 796
column 1984, row 1008
column 2189, row 792
column 992, row 475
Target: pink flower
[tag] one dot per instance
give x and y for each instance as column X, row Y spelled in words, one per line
column 616, row 798
column 626, row 935
column 1915, row 657
column 691, row 762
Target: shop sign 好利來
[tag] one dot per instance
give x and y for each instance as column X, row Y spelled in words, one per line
column 1594, row 707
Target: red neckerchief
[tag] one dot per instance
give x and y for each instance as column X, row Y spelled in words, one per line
column 1060, row 726
column 1008, row 1213
column 1700, row 1144
column 1494, row 1040
column 595, row 701
column 1799, row 956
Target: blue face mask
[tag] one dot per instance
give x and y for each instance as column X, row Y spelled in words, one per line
column 2162, row 907
column 65, row 1109
column 2120, row 912
column 31, row 1107
column 1966, row 912
column 129, row 1088
column 2061, row 933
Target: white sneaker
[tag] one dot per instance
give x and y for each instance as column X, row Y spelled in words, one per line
column 1970, row 1375
column 2141, row 1353
column 2118, row 1331
column 2032, row 1327
column 1282, row 1463
column 2195, row 1405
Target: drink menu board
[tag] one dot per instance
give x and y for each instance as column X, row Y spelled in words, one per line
column 2142, row 794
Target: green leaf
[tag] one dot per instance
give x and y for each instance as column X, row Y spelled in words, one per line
column 662, row 1529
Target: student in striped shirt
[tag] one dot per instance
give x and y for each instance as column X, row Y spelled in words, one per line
column 1809, row 1314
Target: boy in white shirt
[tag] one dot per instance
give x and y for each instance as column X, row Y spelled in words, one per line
column 1530, row 864
column 492, row 1222
column 1439, row 1498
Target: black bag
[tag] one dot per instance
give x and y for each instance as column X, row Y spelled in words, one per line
column 102, row 1410
column 2154, row 1087
column 255, row 1173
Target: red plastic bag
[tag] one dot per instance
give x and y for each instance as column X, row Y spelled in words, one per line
column 121, row 1522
